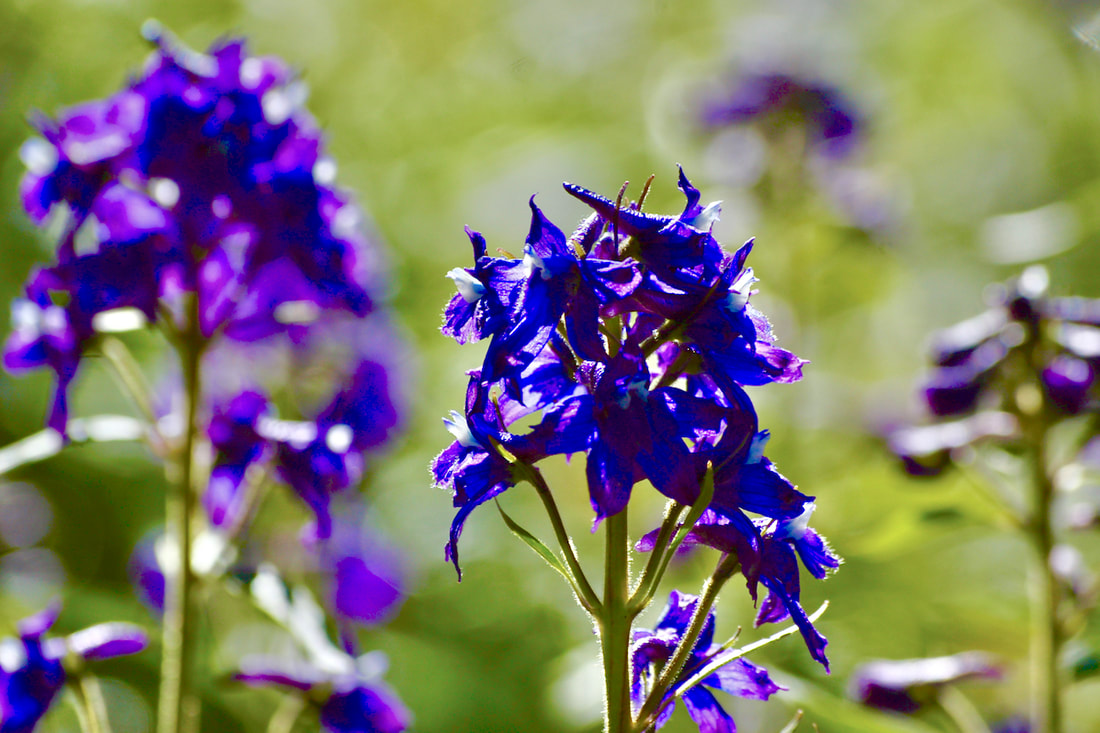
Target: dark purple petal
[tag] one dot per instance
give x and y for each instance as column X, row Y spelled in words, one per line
column 707, row 713
column 365, row 709
column 903, row 685
column 1067, row 381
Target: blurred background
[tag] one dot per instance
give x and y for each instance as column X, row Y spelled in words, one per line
column 975, row 151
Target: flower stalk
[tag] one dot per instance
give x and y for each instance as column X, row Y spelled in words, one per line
column 614, row 625
column 176, row 702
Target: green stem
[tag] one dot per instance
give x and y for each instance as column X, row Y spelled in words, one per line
column 177, row 700
column 90, row 708
column 1046, row 639
column 961, row 711
column 614, row 625
column 727, row 566
column 130, row 377
column 657, row 563
column 287, row 714
column 1046, row 631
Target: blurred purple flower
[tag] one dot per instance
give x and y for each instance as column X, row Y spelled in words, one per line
column 365, row 577
column 651, row 650
column 32, row 670
column 204, row 175
column 831, row 120
column 905, row 685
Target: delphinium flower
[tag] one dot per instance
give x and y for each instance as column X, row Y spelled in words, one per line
column 1004, row 383
column 905, row 685
column 347, row 691
column 33, row 668
column 630, row 341
column 1029, row 354
column 829, row 117
column 199, row 199
column 651, row 650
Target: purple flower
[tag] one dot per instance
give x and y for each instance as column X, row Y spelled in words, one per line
column 589, row 335
column 354, row 705
column 830, row 118
column 365, row 577
column 348, row 689
column 32, row 670
column 651, row 650
column 769, row 552
column 905, row 685
column 1026, row 338
column 203, row 175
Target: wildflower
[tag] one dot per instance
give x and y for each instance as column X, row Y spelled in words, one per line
column 829, row 117
column 905, row 685
column 572, row 329
column 651, row 650
column 347, row 689
column 203, row 175
column 33, row 668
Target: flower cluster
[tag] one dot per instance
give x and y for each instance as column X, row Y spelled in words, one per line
column 651, row 650
column 202, row 178
column 631, row 341
column 33, row 669
column 1028, row 354
column 199, row 199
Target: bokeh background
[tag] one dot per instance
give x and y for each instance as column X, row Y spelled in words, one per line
column 979, row 153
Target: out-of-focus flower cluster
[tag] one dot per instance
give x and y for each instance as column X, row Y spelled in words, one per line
column 1029, row 356
column 199, row 199
column 828, row 116
column 203, row 177
column 630, row 341
column 205, row 181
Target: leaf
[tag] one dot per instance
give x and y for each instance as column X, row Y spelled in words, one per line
column 535, row 544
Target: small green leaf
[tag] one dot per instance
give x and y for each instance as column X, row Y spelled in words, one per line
column 535, row 544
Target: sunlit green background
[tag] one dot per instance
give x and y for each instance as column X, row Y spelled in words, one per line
column 445, row 114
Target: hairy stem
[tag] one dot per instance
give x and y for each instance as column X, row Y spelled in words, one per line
column 177, row 700
column 614, row 625
column 727, row 566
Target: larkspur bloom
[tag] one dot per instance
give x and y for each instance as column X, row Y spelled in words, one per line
column 203, row 176
column 905, row 685
column 976, row 359
column 347, row 689
column 317, row 458
column 651, row 650
column 831, row 120
column 592, row 334
column 769, row 553
column 32, row 671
